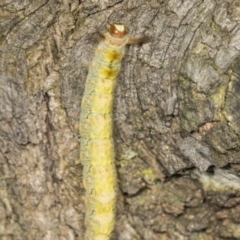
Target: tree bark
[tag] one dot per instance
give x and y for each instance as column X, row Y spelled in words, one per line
column 176, row 118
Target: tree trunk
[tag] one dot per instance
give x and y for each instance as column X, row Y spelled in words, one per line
column 176, row 118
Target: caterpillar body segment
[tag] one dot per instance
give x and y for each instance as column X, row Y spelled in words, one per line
column 97, row 149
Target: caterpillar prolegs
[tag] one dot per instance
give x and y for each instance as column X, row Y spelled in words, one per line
column 97, row 149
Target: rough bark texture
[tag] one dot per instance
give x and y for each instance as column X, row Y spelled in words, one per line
column 176, row 116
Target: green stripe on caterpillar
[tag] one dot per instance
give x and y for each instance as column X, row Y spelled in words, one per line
column 97, row 149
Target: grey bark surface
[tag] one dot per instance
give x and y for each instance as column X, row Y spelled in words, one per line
column 176, row 118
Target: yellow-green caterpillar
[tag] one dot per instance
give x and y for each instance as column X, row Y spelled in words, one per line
column 97, row 149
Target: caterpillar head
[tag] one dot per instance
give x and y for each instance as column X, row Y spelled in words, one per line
column 117, row 30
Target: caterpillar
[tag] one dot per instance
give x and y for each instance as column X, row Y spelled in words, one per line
column 97, row 148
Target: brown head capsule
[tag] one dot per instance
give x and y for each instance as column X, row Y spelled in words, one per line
column 117, row 30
